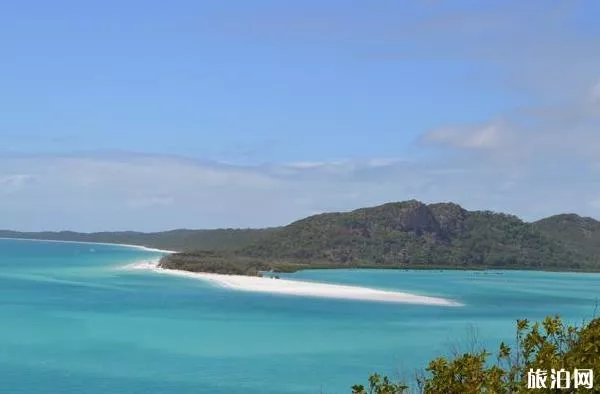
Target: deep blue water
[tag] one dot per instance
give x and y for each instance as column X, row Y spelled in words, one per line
column 71, row 322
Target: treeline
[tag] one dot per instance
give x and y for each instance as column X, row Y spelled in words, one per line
column 412, row 233
column 215, row 262
column 230, row 263
column 177, row 240
column 415, row 235
column 406, row 234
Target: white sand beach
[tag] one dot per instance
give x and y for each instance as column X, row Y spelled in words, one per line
column 297, row 288
column 147, row 249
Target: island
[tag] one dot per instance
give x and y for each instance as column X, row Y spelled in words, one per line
column 409, row 235
column 397, row 235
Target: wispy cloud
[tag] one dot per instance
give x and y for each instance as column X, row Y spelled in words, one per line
column 145, row 192
column 595, row 94
column 535, row 134
column 14, row 182
column 150, row 202
column 535, row 157
column 535, row 46
column 489, row 136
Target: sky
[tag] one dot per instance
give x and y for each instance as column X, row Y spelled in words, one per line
column 152, row 115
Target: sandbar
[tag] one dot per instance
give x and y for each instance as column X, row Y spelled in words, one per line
column 297, row 288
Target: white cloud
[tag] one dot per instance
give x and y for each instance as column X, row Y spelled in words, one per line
column 534, row 161
column 382, row 162
column 595, row 204
column 595, row 93
column 155, row 192
column 150, row 201
column 537, row 134
column 306, row 164
column 14, row 182
column 489, row 136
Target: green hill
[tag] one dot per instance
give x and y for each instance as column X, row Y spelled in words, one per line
column 412, row 233
column 409, row 234
column 400, row 234
column 576, row 232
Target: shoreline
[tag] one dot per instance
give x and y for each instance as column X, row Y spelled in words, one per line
column 360, row 266
column 297, row 288
column 333, row 267
column 139, row 247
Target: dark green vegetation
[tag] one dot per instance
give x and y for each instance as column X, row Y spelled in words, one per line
column 578, row 233
column 415, row 235
column 179, row 240
column 216, row 262
column 412, row 233
column 406, row 234
column 546, row 346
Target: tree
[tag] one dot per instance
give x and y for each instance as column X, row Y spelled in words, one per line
column 546, row 346
column 379, row 385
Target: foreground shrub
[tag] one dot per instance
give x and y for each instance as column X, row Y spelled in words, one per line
column 547, row 354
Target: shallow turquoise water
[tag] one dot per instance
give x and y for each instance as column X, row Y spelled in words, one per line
column 73, row 323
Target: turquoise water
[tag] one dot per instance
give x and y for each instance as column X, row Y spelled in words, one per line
column 71, row 322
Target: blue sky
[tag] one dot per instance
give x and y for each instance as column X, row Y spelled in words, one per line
column 150, row 115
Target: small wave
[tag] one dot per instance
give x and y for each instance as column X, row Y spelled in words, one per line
column 141, row 265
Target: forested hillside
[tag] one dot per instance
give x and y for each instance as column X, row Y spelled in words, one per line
column 413, row 234
column 399, row 234
column 576, row 232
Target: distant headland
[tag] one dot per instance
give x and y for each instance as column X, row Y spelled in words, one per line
column 407, row 234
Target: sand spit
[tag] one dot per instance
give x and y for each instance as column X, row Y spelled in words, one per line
column 297, row 288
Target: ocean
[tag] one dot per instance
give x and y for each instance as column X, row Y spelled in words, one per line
column 73, row 321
